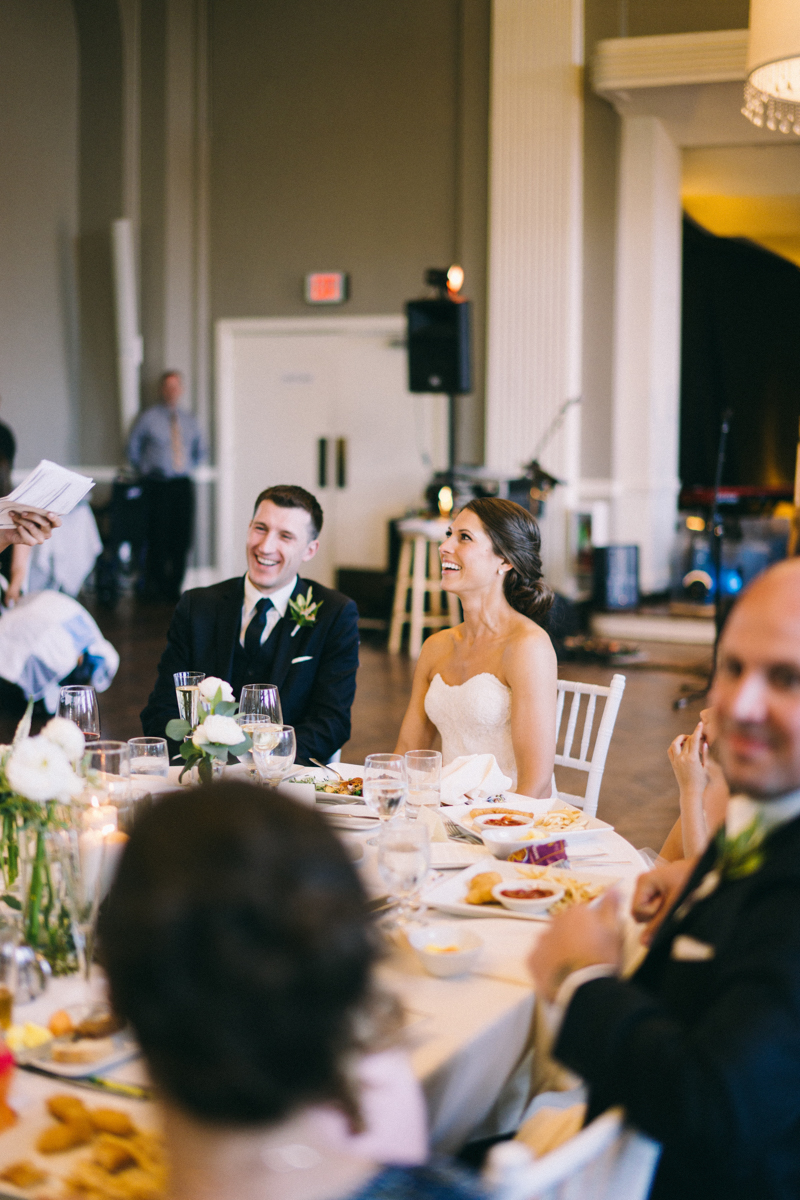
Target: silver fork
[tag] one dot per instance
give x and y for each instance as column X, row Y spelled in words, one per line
column 458, row 834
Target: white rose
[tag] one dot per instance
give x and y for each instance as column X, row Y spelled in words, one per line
column 223, row 731
column 210, row 686
column 200, row 737
column 67, row 735
column 39, row 770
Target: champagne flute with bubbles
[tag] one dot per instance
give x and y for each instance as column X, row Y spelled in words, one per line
column 187, row 690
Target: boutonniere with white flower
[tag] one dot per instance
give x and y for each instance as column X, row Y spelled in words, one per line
column 303, row 610
column 210, row 742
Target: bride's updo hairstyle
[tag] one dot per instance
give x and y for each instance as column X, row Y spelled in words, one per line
column 515, row 537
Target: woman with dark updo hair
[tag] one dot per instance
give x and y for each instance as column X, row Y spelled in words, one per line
column 488, row 685
column 238, row 945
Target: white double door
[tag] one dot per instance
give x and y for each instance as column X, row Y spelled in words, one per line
column 322, row 402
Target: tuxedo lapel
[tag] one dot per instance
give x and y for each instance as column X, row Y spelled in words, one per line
column 228, row 628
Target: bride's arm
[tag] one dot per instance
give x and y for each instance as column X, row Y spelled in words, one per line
column 531, row 671
column 418, row 732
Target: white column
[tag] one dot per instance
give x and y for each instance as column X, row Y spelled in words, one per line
column 647, row 347
column 534, row 295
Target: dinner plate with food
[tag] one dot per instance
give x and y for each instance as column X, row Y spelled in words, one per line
column 495, row 888
column 79, row 1040
column 65, row 1145
column 539, row 818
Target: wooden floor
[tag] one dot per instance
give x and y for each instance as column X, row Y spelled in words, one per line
column 639, row 795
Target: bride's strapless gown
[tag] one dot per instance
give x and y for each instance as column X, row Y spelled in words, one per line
column 473, row 718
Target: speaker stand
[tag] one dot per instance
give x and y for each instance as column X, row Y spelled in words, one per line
column 451, row 433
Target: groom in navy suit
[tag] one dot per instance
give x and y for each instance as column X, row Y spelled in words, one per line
column 245, row 630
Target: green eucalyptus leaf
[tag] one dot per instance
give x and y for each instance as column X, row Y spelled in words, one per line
column 188, row 750
column 12, row 902
column 241, row 748
column 226, row 708
column 217, row 751
column 177, row 729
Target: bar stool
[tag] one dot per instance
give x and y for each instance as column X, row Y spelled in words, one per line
column 420, row 571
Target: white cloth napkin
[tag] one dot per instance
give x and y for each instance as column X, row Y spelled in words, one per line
column 476, row 776
column 430, row 817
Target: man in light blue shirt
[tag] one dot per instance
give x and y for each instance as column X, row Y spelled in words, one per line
column 165, row 445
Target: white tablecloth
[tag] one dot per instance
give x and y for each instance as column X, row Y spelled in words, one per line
column 470, row 1038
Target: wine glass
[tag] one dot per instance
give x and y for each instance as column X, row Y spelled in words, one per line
column 78, row 703
column 260, row 702
column 187, row 690
column 424, row 769
column 404, row 860
column 385, row 784
column 274, row 749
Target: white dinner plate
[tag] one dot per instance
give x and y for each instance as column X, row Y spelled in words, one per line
column 125, row 1048
column 460, row 813
column 448, row 895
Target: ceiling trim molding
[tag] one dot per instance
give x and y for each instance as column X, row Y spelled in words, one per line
column 624, row 64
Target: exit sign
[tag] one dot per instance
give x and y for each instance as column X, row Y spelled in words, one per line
column 326, row 287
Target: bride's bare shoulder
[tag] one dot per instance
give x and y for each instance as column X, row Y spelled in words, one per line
column 529, row 641
column 436, row 649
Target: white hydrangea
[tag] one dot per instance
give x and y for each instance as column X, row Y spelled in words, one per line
column 223, row 731
column 39, row 770
column 200, row 737
column 211, row 685
column 67, row 735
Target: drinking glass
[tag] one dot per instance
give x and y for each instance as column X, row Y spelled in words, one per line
column 261, row 702
column 78, row 703
column 149, row 756
column 424, row 770
column 106, row 769
column 385, row 784
column 187, row 689
column 274, row 748
column 404, row 859
column 81, row 853
column 9, row 938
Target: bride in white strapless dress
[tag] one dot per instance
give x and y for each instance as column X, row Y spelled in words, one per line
column 488, row 686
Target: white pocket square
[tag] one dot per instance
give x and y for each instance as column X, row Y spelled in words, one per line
column 688, row 949
column 303, row 658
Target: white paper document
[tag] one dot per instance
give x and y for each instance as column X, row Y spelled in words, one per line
column 48, row 488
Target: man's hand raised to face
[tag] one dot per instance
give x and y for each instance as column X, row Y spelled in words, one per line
column 580, row 937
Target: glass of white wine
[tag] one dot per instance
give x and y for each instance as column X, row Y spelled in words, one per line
column 261, row 702
column 187, row 689
column 274, row 750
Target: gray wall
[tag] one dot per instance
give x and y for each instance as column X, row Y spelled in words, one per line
column 608, row 19
column 348, row 136
column 38, row 219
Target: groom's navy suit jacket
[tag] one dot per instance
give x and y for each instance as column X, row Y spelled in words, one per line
column 704, row 1052
column 314, row 670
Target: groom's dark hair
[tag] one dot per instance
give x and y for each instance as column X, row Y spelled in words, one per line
column 289, row 495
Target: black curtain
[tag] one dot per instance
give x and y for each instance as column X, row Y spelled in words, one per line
column 740, row 350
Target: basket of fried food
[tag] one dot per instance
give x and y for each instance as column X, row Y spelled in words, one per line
column 334, row 787
column 120, row 1161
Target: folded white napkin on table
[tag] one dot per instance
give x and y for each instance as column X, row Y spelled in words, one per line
column 431, row 818
column 476, row 776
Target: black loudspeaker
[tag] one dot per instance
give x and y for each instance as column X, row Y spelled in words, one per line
column 439, row 346
column 616, row 577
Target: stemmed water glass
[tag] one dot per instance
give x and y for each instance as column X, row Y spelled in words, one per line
column 261, row 703
column 274, row 749
column 404, row 860
column 78, row 703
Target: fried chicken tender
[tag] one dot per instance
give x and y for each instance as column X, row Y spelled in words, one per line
column 480, row 887
column 112, row 1120
column 64, row 1136
column 112, row 1153
column 66, row 1108
column 23, row 1174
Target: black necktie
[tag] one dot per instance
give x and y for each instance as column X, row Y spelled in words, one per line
column 252, row 636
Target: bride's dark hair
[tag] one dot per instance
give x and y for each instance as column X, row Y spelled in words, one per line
column 515, row 537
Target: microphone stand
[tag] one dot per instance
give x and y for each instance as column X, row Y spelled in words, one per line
column 717, row 534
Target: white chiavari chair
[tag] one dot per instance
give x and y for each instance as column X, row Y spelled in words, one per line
column 593, row 764
column 605, row 1161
